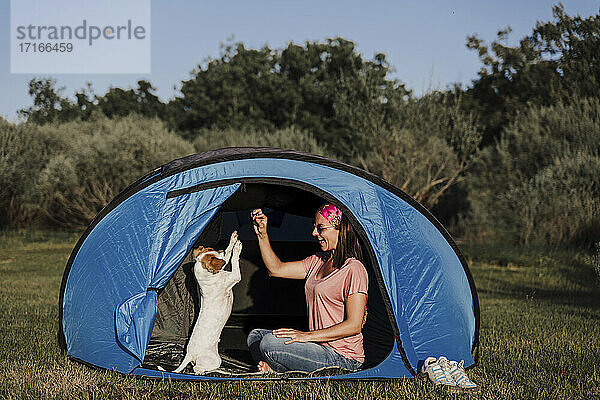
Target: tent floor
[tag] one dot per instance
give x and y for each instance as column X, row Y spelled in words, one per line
column 235, row 363
column 170, row 355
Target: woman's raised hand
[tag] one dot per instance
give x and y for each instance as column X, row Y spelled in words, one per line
column 277, row 268
column 259, row 221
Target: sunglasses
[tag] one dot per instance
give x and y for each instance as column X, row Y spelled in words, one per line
column 320, row 228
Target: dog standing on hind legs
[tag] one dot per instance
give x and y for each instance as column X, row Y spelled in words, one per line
column 216, row 286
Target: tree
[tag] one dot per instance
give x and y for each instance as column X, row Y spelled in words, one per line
column 141, row 100
column 559, row 60
column 50, row 106
column 314, row 86
column 239, row 89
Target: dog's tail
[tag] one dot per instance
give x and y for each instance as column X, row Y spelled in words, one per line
column 186, row 360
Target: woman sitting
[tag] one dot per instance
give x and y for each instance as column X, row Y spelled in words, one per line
column 336, row 299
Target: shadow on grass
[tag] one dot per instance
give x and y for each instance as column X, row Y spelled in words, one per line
column 561, row 297
column 565, row 277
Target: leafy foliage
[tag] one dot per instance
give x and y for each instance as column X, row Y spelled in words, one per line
column 309, row 87
column 50, row 106
column 290, row 138
column 557, row 61
column 71, row 170
column 21, row 157
column 559, row 204
column 540, row 182
column 427, row 151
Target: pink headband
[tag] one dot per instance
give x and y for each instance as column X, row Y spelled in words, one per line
column 332, row 214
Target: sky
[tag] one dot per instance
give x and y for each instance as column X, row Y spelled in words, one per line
column 424, row 41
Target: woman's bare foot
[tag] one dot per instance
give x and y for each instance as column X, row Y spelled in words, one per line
column 264, row 367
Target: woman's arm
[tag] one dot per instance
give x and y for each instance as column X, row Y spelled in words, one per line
column 355, row 310
column 277, row 268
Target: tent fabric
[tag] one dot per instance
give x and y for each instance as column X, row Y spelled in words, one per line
column 134, row 319
column 132, row 249
column 108, row 298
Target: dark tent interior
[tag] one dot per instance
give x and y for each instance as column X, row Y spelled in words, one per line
column 260, row 301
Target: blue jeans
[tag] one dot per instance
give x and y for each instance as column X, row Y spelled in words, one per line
column 264, row 346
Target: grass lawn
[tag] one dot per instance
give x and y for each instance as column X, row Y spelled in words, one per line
column 540, row 333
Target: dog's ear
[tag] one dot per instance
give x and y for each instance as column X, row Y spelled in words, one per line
column 197, row 251
column 215, row 264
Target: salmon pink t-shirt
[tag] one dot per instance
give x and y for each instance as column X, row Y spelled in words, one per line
column 326, row 301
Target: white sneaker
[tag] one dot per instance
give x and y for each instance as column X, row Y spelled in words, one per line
column 457, row 371
column 437, row 374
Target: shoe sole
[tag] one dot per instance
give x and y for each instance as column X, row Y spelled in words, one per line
column 471, row 390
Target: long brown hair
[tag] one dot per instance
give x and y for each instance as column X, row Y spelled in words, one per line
column 347, row 245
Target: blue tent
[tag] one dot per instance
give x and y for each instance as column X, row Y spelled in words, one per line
column 422, row 300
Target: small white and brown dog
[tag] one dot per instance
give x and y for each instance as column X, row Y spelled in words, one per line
column 216, row 286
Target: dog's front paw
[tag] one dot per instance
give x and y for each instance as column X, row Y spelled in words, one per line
column 234, row 237
column 237, row 248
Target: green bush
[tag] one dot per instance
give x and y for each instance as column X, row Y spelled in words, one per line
column 290, row 138
column 423, row 166
column 539, row 184
column 22, row 155
column 426, row 151
column 83, row 165
column 560, row 204
column 541, row 134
